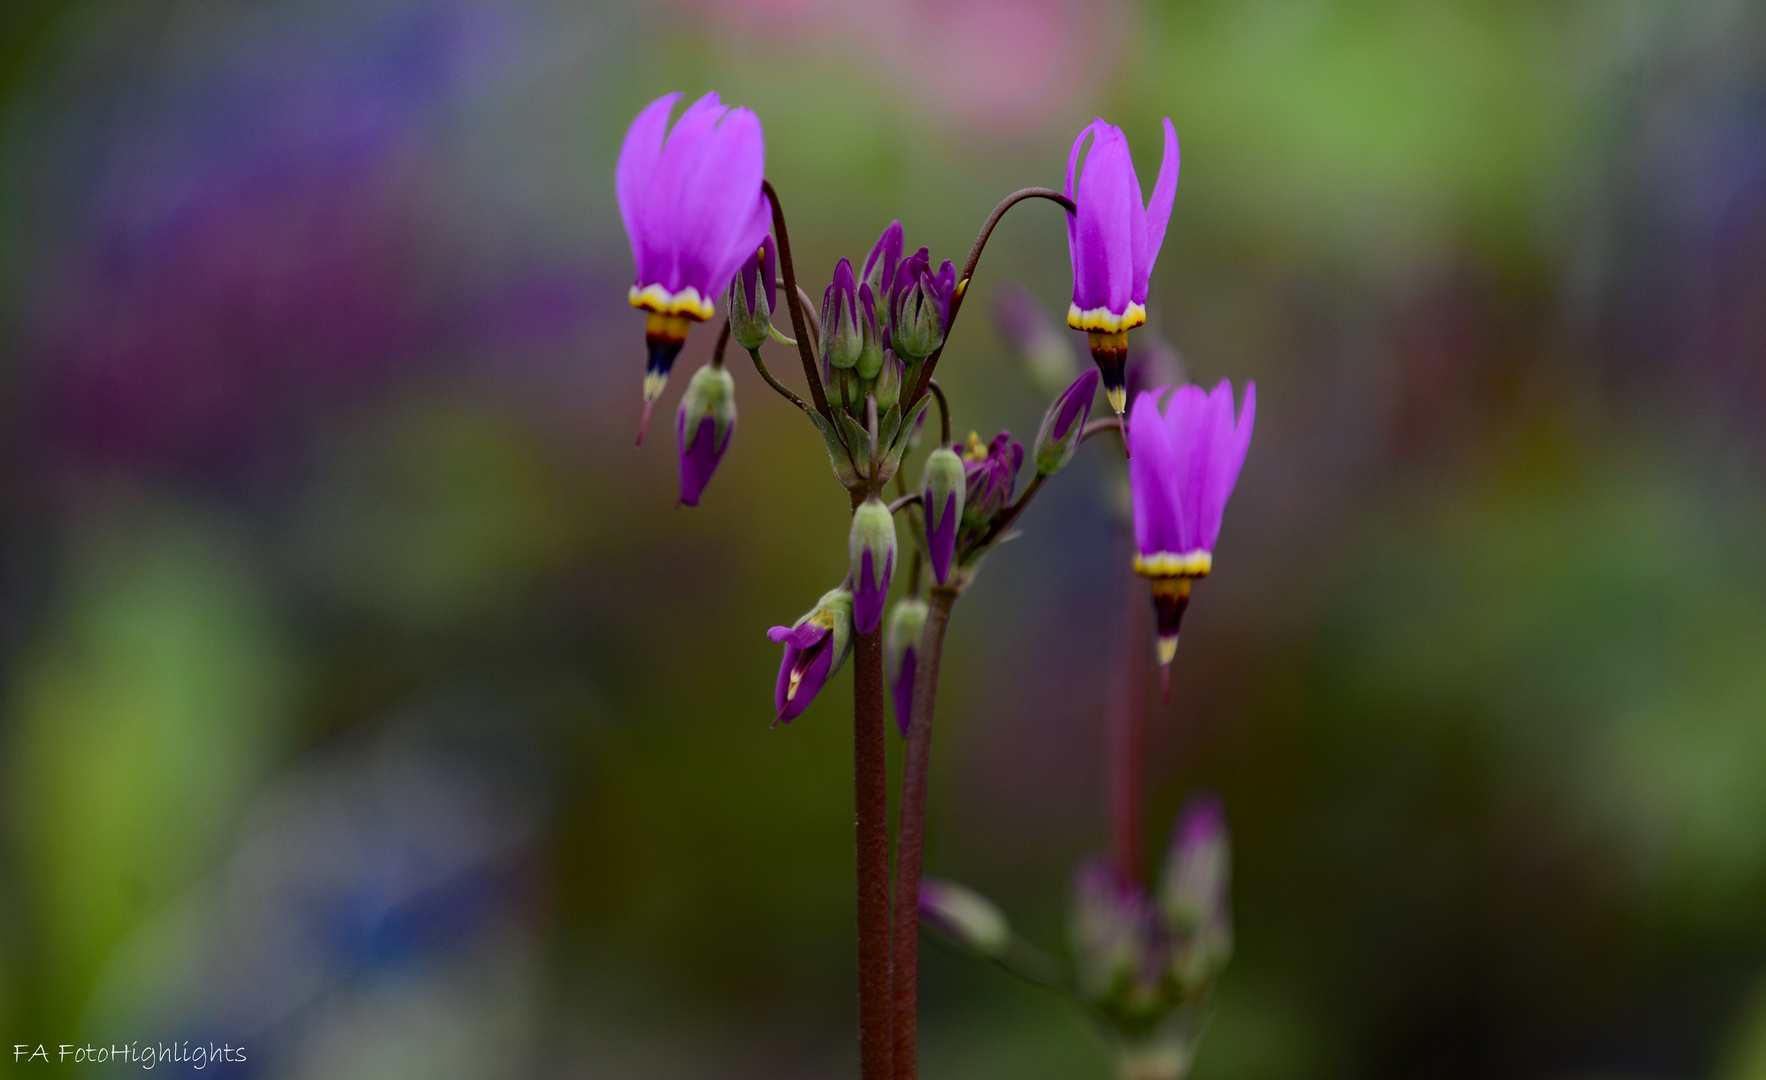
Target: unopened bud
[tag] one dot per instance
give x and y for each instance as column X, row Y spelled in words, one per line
column 871, row 546
column 703, row 426
column 901, row 656
column 942, row 495
column 842, row 340
column 965, row 916
column 753, row 293
column 1062, row 425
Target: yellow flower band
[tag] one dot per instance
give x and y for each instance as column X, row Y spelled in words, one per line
column 687, row 302
column 1105, row 319
column 1171, row 564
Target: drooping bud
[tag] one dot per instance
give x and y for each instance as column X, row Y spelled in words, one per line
column 663, row 335
column 992, row 472
column 965, row 917
column 901, row 655
column 1058, row 439
column 841, row 338
column 943, row 494
column 871, row 345
column 880, row 264
column 1045, row 347
column 871, row 547
column 703, row 426
column 815, row 647
column 1116, row 939
column 754, row 294
column 889, row 382
column 919, row 306
column 1195, row 891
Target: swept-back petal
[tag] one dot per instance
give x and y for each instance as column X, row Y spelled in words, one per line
column 1151, row 472
column 1109, row 215
column 1159, row 206
column 1184, row 415
column 720, row 217
column 638, row 155
column 1229, row 459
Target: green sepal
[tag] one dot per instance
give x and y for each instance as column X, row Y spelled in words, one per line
column 838, row 456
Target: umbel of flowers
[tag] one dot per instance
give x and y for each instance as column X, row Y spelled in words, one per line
column 705, row 225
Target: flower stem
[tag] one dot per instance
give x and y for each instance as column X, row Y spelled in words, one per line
column 956, row 301
column 871, row 794
column 1128, row 733
column 760, row 366
column 911, row 834
column 723, row 342
column 943, row 411
column 798, row 326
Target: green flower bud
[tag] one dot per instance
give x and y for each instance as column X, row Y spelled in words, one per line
column 965, row 916
column 1063, row 424
column 753, row 292
column 946, row 487
column 871, row 546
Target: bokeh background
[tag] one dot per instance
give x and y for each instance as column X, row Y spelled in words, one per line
column 365, row 699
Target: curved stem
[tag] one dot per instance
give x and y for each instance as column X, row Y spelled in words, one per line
column 793, row 301
column 902, row 503
column 760, row 366
column 911, row 833
column 815, row 320
column 1004, row 521
column 943, row 411
column 870, row 761
column 723, row 341
column 1098, row 427
column 956, row 301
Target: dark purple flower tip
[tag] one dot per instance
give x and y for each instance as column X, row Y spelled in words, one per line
column 1112, row 238
column 880, row 264
column 902, row 689
column 901, row 652
column 842, row 340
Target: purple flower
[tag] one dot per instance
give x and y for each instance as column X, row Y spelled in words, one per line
column 901, row 655
column 1194, row 893
column 1119, row 942
column 1185, row 460
column 871, row 545
column 1058, row 439
column 694, row 212
column 703, row 427
column 992, row 475
column 944, row 491
column 815, row 647
column 1113, row 241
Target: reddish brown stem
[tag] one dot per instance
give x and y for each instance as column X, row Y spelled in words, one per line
column 1128, row 732
column 871, row 793
column 911, row 835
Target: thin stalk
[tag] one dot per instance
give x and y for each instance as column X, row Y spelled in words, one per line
column 1098, row 427
column 871, row 794
column 798, row 325
column 1128, row 732
column 723, row 341
column 943, row 411
column 760, row 366
column 1005, row 520
column 956, row 301
column 911, row 834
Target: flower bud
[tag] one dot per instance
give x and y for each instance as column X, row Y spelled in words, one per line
column 1043, row 345
column 919, row 306
column 703, row 426
column 1116, row 939
column 1194, row 894
column 965, row 916
column 880, row 264
column 870, row 352
column 901, row 655
column 815, row 647
column 943, row 492
column 841, row 340
column 992, row 472
column 889, row 382
column 1058, row 440
column 871, row 546
column 754, row 293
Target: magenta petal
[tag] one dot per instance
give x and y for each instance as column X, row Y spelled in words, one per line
column 801, row 637
column 1110, row 229
column 941, row 539
column 699, row 458
column 638, row 155
column 1164, row 192
column 870, row 592
column 817, row 660
column 1150, row 474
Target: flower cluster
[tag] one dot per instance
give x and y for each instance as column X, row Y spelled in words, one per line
column 705, row 224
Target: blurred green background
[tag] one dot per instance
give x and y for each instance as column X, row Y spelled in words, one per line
column 365, row 699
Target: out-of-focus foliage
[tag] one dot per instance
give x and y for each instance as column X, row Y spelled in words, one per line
column 365, row 691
